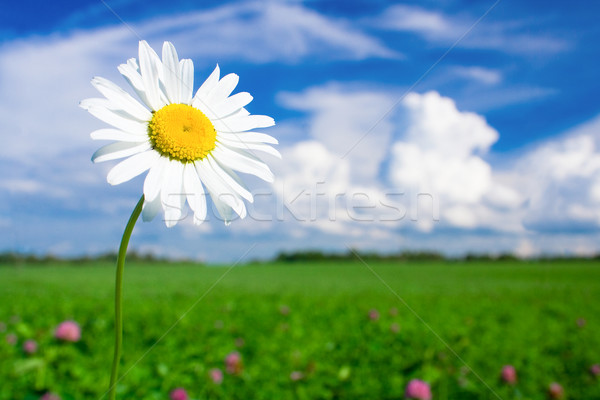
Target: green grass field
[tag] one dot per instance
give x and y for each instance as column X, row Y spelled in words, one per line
column 451, row 324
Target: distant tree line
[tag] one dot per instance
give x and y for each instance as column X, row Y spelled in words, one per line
column 13, row 258
column 304, row 256
column 317, row 256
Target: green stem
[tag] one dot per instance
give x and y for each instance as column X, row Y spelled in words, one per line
column 118, row 297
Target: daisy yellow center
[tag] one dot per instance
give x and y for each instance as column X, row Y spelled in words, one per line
column 181, row 132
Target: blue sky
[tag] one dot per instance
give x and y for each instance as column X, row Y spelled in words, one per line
column 387, row 144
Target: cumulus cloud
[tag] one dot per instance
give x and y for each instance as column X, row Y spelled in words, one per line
column 441, row 154
column 348, row 122
column 431, row 153
column 320, row 195
column 307, row 183
column 439, row 158
column 565, row 196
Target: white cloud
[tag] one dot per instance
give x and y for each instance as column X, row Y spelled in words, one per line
column 425, row 145
column 264, row 32
column 526, row 249
column 308, row 179
column 437, row 151
column 526, row 206
column 43, row 78
column 484, row 75
column 500, row 96
column 46, row 77
column 441, row 154
column 561, row 179
column 431, row 24
column 44, row 81
column 348, row 122
column 437, row 27
column 436, row 124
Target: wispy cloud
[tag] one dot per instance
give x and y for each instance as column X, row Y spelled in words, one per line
column 443, row 29
column 41, row 108
column 265, row 32
column 484, row 75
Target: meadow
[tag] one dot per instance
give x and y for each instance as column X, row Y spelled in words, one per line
column 320, row 330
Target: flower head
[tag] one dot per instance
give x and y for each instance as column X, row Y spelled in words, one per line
column 233, row 363
column 373, row 314
column 179, row 394
column 69, row 331
column 216, row 375
column 50, row 396
column 417, row 389
column 284, row 310
column 509, row 374
column 296, row 376
column 11, row 339
column 556, row 391
column 187, row 142
column 30, row 346
column 595, row 370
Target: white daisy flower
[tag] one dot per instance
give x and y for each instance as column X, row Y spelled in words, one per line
column 186, row 142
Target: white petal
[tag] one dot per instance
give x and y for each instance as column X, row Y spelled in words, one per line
column 171, row 72
column 149, row 69
column 132, row 167
column 249, row 146
column 195, row 193
column 187, row 81
column 230, row 179
column 241, row 124
column 249, row 137
column 98, row 108
column 223, row 89
column 232, row 104
column 131, row 73
column 224, row 210
column 117, row 150
column 173, row 195
column 242, row 112
column 243, row 162
column 151, row 208
column 208, row 84
column 220, row 193
column 115, row 134
column 202, row 105
column 154, row 179
column 121, row 99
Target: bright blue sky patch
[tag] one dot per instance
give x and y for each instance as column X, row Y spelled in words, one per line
column 502, row 133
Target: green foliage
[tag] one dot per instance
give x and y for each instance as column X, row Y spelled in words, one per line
column 453, row 325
